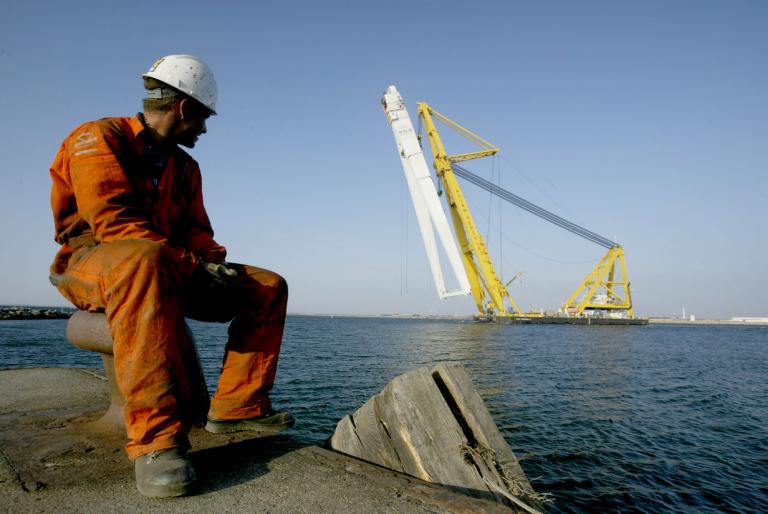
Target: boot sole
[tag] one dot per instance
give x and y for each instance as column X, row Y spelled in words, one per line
column 166, row 491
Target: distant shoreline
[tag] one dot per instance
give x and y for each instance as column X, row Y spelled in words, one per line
column 17, row 312
column 730, row 322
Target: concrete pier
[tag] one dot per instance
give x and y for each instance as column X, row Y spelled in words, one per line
column 56, row 457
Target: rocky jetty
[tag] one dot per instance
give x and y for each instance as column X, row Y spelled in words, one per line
column 16, row 312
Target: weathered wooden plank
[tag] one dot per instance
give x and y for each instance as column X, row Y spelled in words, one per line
column 482, row 426
column 346, row 437
column 424, row 431
column 371, row 429
column 433, row 425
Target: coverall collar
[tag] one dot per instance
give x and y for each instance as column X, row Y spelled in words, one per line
column 136, row 125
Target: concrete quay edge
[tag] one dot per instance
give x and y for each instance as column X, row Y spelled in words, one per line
column 55, row 456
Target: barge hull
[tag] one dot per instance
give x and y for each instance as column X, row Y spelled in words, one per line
column 557, row 320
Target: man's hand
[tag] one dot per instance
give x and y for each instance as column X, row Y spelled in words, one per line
column 217, row 275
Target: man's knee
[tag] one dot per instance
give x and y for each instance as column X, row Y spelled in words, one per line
column 267, row 281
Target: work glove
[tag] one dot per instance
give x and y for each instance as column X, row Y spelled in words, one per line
column 216, row 275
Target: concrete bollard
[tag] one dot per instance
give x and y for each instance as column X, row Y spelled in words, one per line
column 89, row 331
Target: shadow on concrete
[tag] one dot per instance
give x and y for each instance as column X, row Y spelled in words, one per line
column 235, row 462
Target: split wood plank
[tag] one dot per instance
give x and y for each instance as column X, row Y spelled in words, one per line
column 433, row 425
column 483, row 428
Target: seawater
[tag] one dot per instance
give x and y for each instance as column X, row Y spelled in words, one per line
column 606, row 419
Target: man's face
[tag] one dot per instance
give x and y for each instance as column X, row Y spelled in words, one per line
column 191, row 123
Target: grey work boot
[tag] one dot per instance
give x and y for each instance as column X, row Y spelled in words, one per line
column 271, row 422
column 164, row 474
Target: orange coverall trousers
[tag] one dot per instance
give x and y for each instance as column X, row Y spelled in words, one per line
column 145, row 299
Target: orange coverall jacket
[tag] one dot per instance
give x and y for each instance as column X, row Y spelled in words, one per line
column 102, row 192
column 132, row 235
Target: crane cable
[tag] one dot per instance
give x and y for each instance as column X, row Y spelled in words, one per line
column 532, row 208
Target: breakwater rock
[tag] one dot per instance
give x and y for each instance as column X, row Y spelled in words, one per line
column 17, row 312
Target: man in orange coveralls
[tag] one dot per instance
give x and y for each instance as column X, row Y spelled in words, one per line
column 136, row 243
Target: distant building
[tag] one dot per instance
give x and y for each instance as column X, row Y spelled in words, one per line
column 750, row 320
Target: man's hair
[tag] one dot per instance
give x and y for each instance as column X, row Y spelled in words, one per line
column 161, row 97
column 166, row 102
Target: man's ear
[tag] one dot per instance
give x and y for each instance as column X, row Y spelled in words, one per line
column 182, row 106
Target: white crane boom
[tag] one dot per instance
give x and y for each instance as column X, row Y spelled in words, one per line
column 429, row 212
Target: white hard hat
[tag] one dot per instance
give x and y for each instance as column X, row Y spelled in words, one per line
column 189, row 75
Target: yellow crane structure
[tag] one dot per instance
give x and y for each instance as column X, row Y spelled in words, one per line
column 603, row 278
column 487, row 288
column 603, row 293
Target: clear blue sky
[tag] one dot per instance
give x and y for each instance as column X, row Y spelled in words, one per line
column 643, row 121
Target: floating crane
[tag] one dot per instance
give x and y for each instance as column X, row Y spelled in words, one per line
column 603, row 297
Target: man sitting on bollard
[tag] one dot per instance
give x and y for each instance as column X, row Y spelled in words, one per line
column 137, row 244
